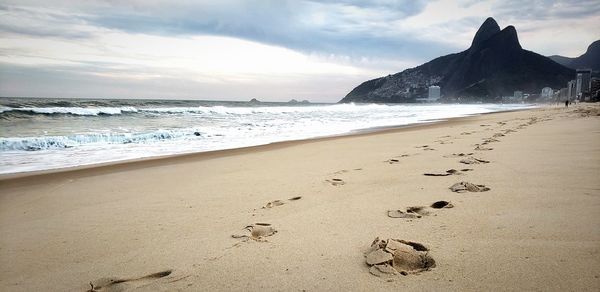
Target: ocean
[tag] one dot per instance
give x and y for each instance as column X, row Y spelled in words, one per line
column 42, row 133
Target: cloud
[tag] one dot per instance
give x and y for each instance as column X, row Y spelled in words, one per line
column 39, row 22
column 352, row 28
column 227, row 48
column 553, row 27
column 328, row 27
column 547, row 9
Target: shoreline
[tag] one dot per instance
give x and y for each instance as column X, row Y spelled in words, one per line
column 234, row 151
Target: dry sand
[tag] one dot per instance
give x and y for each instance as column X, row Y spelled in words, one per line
column 167, row 224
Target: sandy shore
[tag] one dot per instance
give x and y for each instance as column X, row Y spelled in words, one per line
column 537, row 228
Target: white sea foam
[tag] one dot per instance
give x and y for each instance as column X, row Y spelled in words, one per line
column 60, row 142
column 78, row 111
column 103, row 134
column 94, row 111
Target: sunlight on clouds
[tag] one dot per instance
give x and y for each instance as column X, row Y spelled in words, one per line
column 200, row 58
column 444, row 17
column 217, row 55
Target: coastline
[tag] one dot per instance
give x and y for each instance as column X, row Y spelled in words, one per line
column 235, row 151
column 536, row 229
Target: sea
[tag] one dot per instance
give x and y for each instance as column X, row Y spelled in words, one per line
column 52, row 133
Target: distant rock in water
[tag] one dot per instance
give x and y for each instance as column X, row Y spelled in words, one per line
column 254, row 100
column 296, row 101
column 494, row 66
column 589, row 60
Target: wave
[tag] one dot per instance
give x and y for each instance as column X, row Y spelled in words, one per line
column 77, row 111
column 224, row 110
column 61, row 142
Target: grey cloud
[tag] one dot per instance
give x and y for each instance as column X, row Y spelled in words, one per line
column 547, row 9
column 353, row 28
column 43, row 32
column 344, row 27
column 40, row 23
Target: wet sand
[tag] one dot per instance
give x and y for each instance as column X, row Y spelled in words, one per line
column 526, row 220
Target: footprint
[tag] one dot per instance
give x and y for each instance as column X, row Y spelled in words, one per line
column 425, row 147
column 273, row 204
column 257, row 232
column 467, row 133
column 480, row 147
column 418, row 211
column 496, row 135
column 442, row 204
column 336, row 182
column 402, row 214
column 490, row 140
column 395, row 159
column 279, row 202
column 442, row 142
column 473, row 160
column 391, row 257
column 463, row 186
column 114, row 284
column 447, row 173
column 459, row 154
column 421, row 210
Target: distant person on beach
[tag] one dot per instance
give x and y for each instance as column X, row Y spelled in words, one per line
column 567, row 103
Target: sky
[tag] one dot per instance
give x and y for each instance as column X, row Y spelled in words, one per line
column 272, row 50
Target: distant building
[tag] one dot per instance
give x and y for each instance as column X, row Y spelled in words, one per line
column 434, row 93
column 595, row 89
column 571, row 88
column 547, row 92
column 563, row 94
column 518, row 95
column 583, row 86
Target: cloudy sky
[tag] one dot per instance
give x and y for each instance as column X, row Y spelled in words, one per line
column 273, row 50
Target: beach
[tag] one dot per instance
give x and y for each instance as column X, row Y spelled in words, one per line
column 536, row 228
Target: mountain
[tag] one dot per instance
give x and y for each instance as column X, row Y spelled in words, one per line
column 495, row 65
column 589, row 60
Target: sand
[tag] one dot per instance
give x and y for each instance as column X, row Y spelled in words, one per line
column 167, row 224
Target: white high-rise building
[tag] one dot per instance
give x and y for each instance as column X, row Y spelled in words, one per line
column 547, row 92
column 583, row 80
column 434, row 93
column 571, row 89
column 518, row 95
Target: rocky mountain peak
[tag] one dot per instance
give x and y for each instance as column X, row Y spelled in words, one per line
column 486, row 30
column 594, row 48
column 506, row 39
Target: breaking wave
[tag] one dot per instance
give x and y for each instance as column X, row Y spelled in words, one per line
column 76, row 111
column 59, row 142
column 96, row 111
